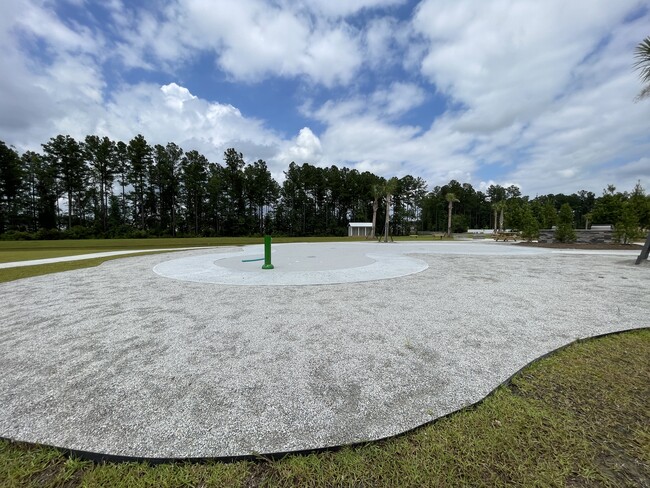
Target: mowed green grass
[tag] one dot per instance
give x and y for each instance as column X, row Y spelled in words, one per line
column 577, row 418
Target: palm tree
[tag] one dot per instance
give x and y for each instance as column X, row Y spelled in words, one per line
column 498, row 207
column 451, row 198
column 642, row 55
column 376, row 195
column 389, row 189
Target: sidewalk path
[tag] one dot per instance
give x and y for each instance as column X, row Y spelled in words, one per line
column 81, row 257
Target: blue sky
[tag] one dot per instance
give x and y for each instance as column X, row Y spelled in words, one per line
column 539, row 94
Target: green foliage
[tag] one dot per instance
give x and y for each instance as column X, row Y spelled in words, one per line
column 640, row 205
column 549, row 215
column 627, row 228
column 472, row 205
column 642, row 64
column 608, row 208
column 65, row 157
column 459, row 223
column 564, row 231
column 529, row 225
column 11, row 181
column 133, row 190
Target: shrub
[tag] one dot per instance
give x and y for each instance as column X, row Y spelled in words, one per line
column 48, row 234
column 529, row 224
column 564, row 231
column 16, row 235
column 78, row 232
column 627, row 229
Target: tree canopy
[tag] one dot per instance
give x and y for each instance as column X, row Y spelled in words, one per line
column 98, row 187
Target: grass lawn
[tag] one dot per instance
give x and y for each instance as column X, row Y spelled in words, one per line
column 578, row 418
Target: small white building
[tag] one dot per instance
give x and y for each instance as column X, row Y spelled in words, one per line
column 359, row 229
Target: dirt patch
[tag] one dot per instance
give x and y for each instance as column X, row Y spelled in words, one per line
column 576, row 245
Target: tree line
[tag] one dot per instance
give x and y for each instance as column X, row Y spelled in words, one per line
column 102, row 188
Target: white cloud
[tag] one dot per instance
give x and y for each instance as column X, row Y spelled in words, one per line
column 594, row 124
column 534, row 92
column 389, row 102
column 36, row 21
column 506, row 59
column 399, row 98
column 250, row 39
column 379, row 35
column 305, row 148
column 38, row 96
column 344, row 8
column 172, row 113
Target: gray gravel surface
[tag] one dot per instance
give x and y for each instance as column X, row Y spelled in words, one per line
column 120, row 360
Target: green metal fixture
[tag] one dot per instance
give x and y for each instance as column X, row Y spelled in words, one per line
column 267, row 253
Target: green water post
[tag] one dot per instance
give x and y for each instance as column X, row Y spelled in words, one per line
column 267, row 253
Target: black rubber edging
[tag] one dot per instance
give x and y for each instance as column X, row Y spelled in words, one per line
column 113, row 458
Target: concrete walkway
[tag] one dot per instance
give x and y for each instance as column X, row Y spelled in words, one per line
column 122, row 360
column 81, row 257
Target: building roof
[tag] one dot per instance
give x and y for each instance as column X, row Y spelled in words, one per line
column 360, row 224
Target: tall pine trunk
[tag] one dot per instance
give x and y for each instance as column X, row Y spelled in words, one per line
column 387, row 225
column 69, row 209
column 375, row 207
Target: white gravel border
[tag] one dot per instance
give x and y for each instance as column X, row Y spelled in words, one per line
column 120, row 360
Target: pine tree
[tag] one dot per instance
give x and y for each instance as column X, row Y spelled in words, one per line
column 565, row 232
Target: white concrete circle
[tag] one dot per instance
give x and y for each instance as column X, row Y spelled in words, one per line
column 324, row 263
column 294, row 264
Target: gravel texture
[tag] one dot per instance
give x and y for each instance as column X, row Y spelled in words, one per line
column 121, row 360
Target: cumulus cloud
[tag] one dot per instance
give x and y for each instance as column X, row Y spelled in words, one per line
column 506, row 59
column 304, row 148
column 386, row 102
column 38, row 93
column 498, row 91
column 172, row 113
column 343, row 8
column 249, row 39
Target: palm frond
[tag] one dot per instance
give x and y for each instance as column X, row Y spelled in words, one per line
column 645, row 93
column 642, row 55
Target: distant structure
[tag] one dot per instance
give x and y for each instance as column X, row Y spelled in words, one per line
column 598, row 234
column 359, row 229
